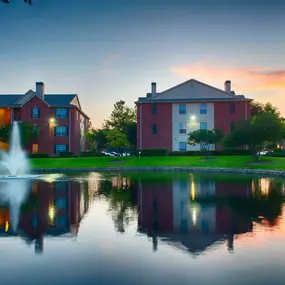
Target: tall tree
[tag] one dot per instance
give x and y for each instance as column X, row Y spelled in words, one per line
column 258, row 109
column 205, row 138
column 97, row 139
column 117, row 139
column 123, row 119
column 256, row 133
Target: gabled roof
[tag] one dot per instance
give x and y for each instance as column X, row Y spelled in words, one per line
column 193, row 90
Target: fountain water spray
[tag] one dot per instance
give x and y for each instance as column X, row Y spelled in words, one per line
column 15, row 159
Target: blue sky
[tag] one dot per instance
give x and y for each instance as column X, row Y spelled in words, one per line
column 111, row 50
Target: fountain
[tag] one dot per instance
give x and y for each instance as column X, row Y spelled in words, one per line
column 15, row 159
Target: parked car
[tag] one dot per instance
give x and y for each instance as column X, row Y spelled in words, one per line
column 108, row 153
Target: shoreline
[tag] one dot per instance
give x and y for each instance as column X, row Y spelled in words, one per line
column 262, row 172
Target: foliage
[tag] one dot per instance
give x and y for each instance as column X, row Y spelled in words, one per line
column 258, row 109
column 97, row 139
column 123, row 118
column 38, row 155
column 26, row 132
column 66, row 154
column 256, row 133
column 117, row 139
column 215, row 152
column 153, row 152
column 91, row 154
column 205, row 138
column 30, row 2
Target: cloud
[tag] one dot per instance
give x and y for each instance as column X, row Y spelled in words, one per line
column 108, row 64
column 246, row 79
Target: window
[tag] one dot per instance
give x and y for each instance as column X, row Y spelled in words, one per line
column 60, row 148
column 35, row 148
column 60, row 131
column 153, row 109
column 182, row 146
column 35, row 113
column 154, row 129
column 61, row 113
column 232, row 108
column 232, row 126
column 182, row 108
column 203, row 108
column 182, row 128
column 203, row 126
column 35, row 131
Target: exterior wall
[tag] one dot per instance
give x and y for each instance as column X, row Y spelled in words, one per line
column 223, row 117
column 155, row 207
column 163, row 119
column 192, row 119
column 47, row 140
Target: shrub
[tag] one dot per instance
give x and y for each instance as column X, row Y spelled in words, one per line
column 38, row 155
column 66, row 154
column 91, row 154
column 185, row 153
column 215, row 152
column 233, row 152
column 153, row 152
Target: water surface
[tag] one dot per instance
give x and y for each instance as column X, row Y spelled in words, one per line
column 142, row 229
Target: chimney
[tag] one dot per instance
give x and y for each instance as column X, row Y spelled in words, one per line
column 228, row 86
column 153, row 88
column 40, row 89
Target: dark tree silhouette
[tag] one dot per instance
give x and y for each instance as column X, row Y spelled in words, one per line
column 30, row 2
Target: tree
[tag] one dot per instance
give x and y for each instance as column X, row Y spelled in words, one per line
column 205, row 138
column 26, row 133
column 262, row 129
column 97, row 139
column 30, row 2
column 117, row 139
column 123, row 118
column 258, row 109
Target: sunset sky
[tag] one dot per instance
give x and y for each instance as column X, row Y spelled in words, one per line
column 111, row 50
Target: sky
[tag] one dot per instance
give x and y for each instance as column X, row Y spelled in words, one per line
column 113, row 49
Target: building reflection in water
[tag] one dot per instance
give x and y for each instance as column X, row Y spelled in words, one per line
column 198, row 213
column 51, row 209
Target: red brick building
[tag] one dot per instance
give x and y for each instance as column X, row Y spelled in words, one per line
column 58, row 119
column 165, row 118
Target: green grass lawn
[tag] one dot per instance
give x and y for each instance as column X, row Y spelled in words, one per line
column 272, row 163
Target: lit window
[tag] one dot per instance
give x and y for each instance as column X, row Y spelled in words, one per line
column 35, row 148
column 60, row 148
column 61, row 113
column 203, row 108
column 203, row 126
column 182, row 128
column 182, row 146
column 60, row 131
column 35, row 113
column 182, row 108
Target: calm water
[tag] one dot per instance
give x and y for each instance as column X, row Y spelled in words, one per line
column 142, row 229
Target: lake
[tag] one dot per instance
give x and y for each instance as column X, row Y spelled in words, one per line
column 142, row 228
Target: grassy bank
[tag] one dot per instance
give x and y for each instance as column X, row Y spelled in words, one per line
column 195, row 161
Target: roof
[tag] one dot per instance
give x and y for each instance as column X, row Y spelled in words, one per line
column 192, row 91
column 53, row 100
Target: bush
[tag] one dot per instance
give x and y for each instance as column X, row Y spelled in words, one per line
column 91, row 154
column 215, row 152
column 38, row 155
column 153, row 152
column 186, row 153
column 66, row 154
column 278, row 154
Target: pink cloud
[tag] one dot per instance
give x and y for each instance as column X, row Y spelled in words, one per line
column 108, row 64
column 244, row 79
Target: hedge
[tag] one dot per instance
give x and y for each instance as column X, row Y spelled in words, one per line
column 38, row 155
column 66, row 154
column 152, row 152
column 91, row 154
